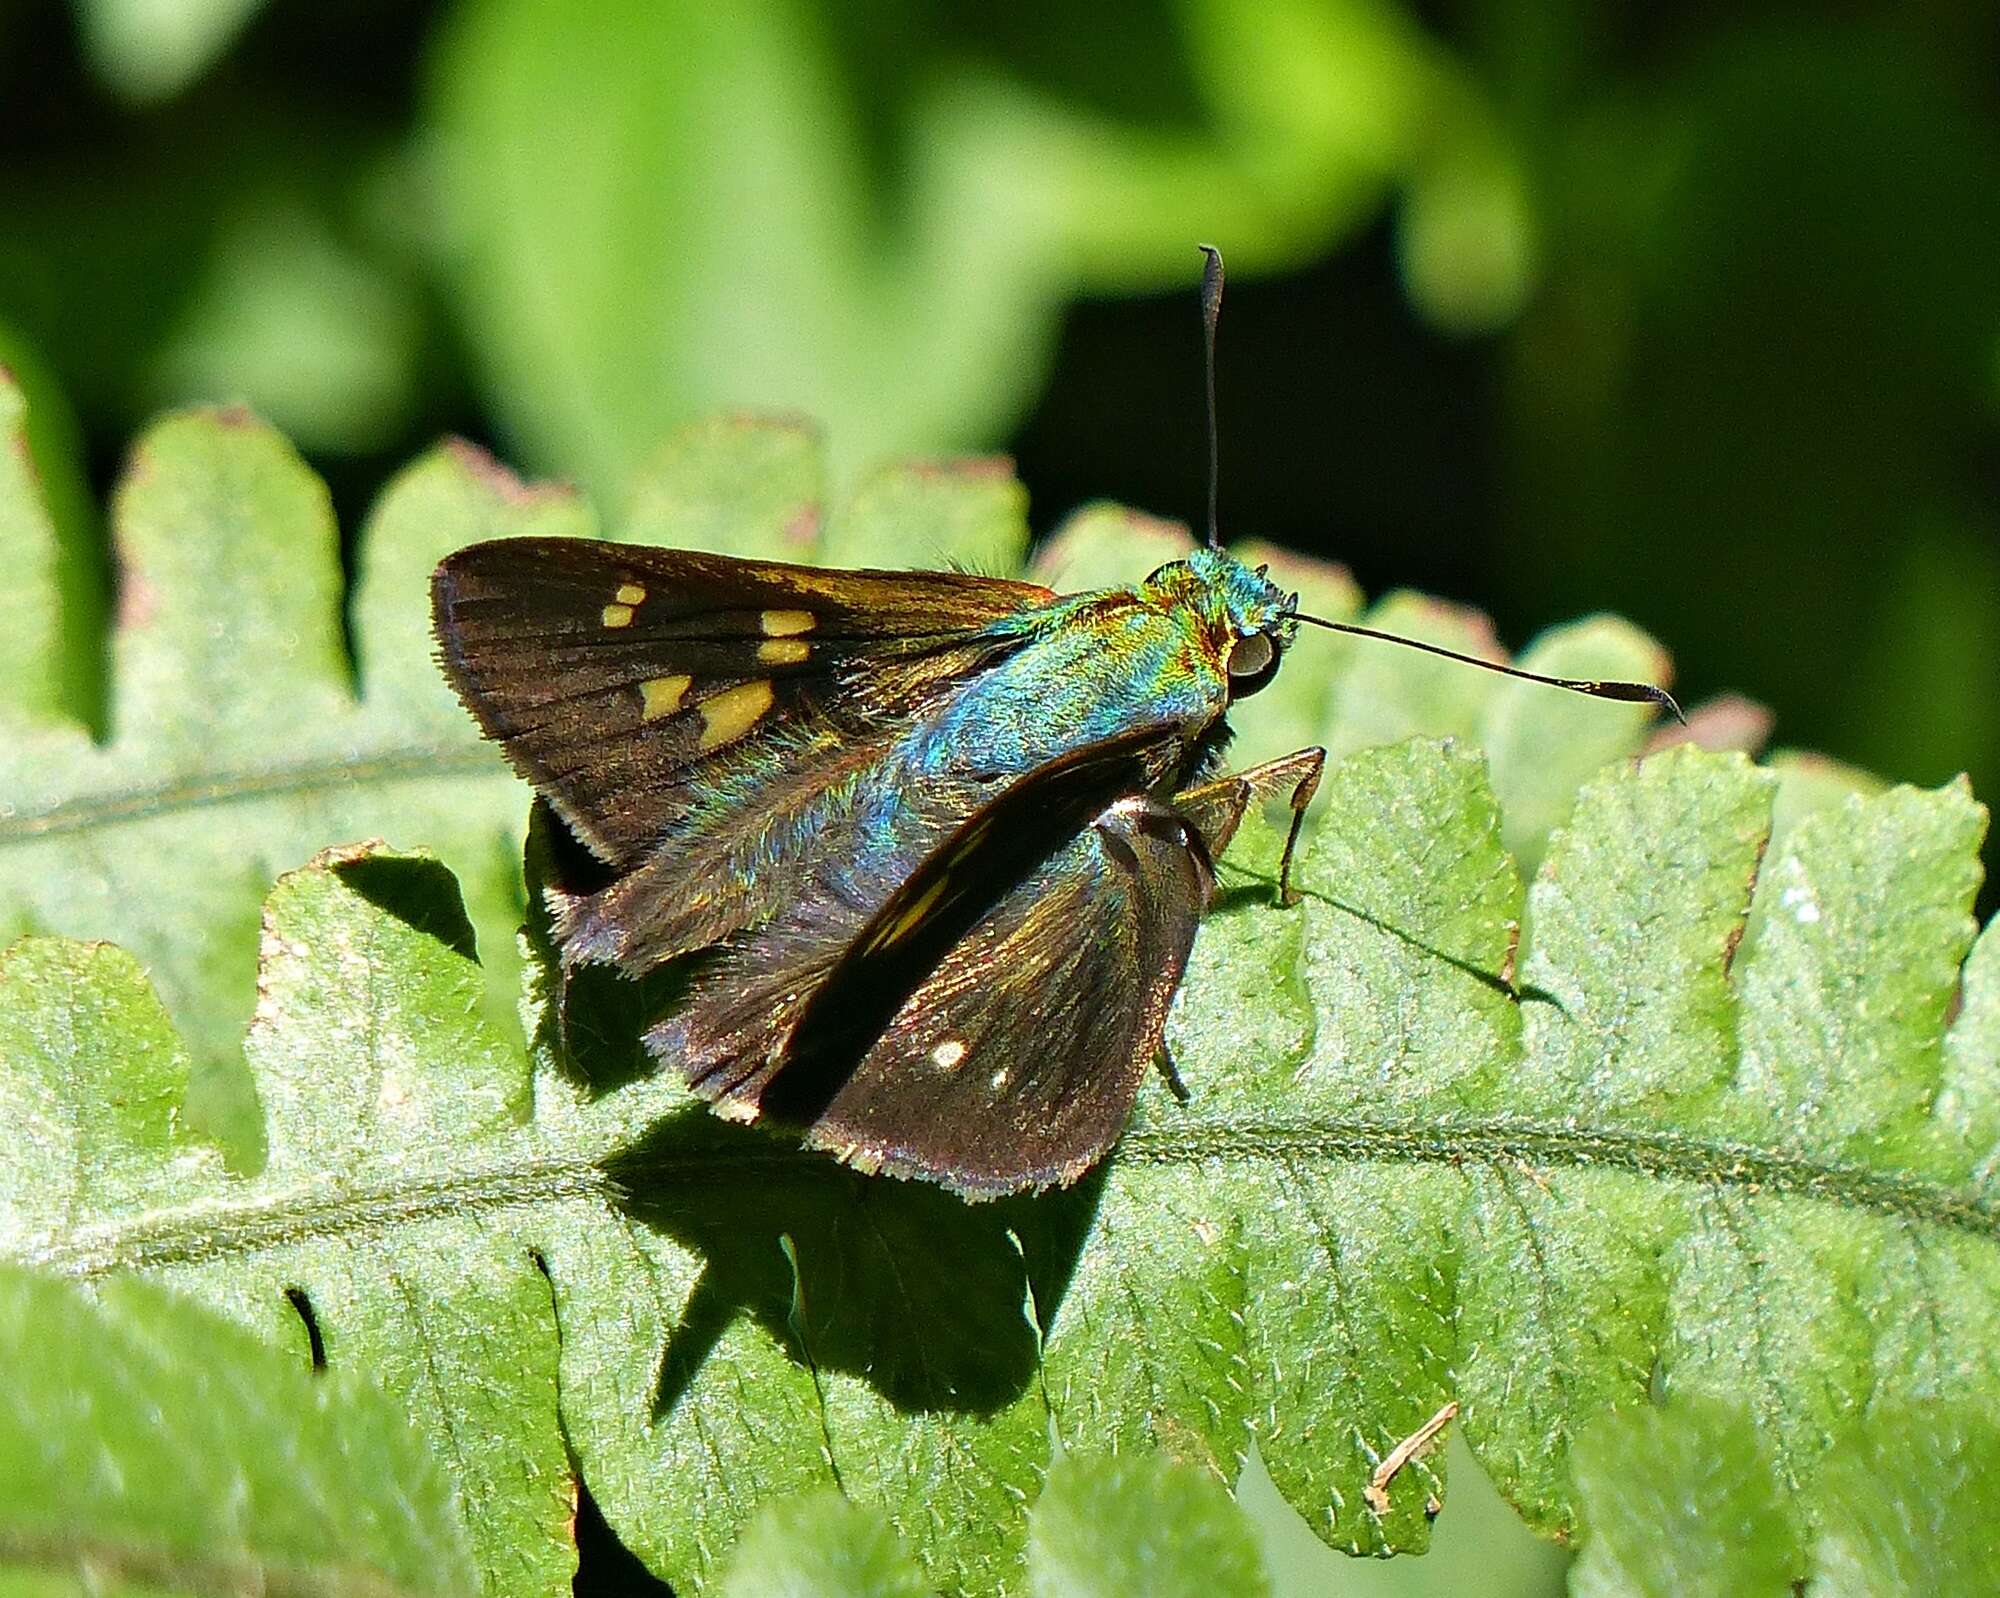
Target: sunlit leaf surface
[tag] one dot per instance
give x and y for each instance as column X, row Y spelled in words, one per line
column 1540, row 1145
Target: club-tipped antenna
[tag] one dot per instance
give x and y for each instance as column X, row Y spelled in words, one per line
column 1211, row 313
column 1632, row 693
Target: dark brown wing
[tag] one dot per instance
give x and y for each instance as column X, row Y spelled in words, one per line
column 1014, row 1064
column 790, row 1019
column 613, row 674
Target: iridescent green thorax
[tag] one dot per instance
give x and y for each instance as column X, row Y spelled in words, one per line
column 1224, row 593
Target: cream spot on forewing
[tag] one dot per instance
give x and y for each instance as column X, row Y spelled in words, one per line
column 787, row 623
column 631, row 594
column 783, row 651
column 733, row 712
column 662, row 696
column 618, row 615
column 1000, row 1079
column 947, row 1054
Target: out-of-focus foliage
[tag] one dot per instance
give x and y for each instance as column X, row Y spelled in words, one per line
column 1684, row 1501
column 148, row 1446
column 1684, row 312
column 1725, row 272
column 874, row 215
column 630, row 212
column 1766, row 361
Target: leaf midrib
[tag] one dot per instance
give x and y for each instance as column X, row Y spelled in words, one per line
column 145, row 802
column 209, row 1230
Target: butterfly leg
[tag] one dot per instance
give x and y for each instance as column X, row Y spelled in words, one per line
column 1216, row 807
column 1170, row 1073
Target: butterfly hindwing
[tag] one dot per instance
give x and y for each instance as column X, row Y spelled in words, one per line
column 1063, row 868
column 1014, row 1063
column 613, row 675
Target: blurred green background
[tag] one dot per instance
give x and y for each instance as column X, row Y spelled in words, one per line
column 1689, row 312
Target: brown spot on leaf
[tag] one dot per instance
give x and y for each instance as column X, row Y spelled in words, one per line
column 1734, row 940
column 1726, row 723
column 967, row 468
column 1475, row 626
column 137, row 599
column 801, row 528
column 789, row 421
column 500, row 479
column 1376, row 1493
column 1731, row 943
column 29, row 465
column 345, row 854
column 1157, row 526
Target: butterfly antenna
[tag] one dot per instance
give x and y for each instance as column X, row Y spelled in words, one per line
column 1634, row 693
column 1211, row 313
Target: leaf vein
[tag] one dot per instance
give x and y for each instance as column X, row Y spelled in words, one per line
column 214, row 1230
column 124, row 806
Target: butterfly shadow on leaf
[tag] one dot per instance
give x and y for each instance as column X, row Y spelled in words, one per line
column 1258, row 887
column 923, row 1295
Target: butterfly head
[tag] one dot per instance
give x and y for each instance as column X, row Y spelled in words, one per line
column 1249, row 619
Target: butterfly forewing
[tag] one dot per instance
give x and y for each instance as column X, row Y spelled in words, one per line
column 614, row 674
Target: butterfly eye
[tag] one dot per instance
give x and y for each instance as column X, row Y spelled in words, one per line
column 1250, row 656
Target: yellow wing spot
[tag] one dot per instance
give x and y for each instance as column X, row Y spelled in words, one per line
column 787, row 623
column 899, row 929
column 631, row 594
column 662, row 696
column 618, row 615
column 733, row 712
column 948, row 1053
column 783, row 651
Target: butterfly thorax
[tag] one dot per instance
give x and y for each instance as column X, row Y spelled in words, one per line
column 1223, row 597
column 1092, row 665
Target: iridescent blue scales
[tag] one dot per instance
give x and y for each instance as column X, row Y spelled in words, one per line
column 935, row 845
